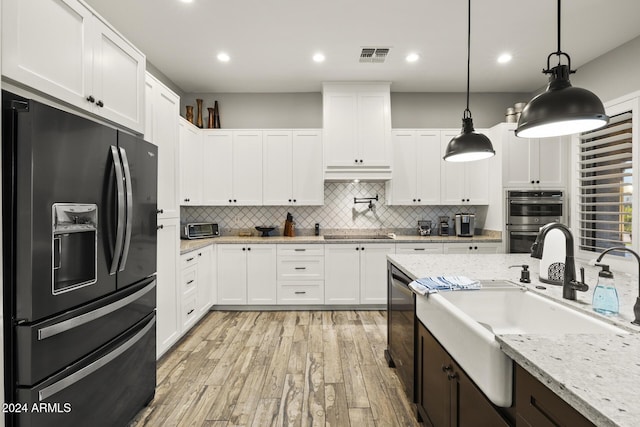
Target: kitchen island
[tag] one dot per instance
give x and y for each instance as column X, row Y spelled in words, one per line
column 598, row 375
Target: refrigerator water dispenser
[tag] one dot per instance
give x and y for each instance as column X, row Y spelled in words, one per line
column 74, row 246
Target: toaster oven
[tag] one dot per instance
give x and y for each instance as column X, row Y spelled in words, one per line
column 199, row 230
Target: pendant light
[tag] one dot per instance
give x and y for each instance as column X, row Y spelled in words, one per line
column 469, row 145
column 562, row 109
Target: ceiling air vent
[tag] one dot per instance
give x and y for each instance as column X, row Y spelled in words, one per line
column 375, row 55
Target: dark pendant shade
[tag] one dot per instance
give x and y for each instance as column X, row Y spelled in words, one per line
column 469, row 145
column 561, row 110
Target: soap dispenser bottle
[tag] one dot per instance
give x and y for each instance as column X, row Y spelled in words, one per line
column 605, row 295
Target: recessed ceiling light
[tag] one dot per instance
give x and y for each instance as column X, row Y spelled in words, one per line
column 223, row 57
column 504, row 58
column 318, row 57
column 412, row 57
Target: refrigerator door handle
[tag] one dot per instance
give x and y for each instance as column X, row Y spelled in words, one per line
column 117, row 250
column 129, row 202
column 58, row 386
column 66, row 325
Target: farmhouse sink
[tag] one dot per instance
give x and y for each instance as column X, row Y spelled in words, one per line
column 466, row 323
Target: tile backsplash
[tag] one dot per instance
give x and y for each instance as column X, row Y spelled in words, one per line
column 338, row 212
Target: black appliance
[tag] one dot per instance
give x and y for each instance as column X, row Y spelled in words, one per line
column 527, row 211
column 401, row 327
column 79, row 265
column 199, row 230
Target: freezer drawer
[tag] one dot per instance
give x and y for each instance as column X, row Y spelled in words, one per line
column 47, row 347
column 83, row 394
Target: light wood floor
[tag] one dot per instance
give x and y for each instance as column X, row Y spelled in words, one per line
column 293, row 368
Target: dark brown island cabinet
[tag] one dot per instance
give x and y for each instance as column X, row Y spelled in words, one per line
column 446, row 396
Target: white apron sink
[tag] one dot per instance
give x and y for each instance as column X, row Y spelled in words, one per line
column 466, row 323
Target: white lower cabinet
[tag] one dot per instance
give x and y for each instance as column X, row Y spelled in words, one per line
column 168, row 323
column 300, row 274
column 472, row 248
column 206, row 280
column 419, row 248
column 195, row 285
column 356, row 273
column 246, row 274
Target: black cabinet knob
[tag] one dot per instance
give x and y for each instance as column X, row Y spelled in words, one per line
column 248, row 249
column 532, row 181
column 475, row 247
column 362, row 249
column 230, row 200
column 187, row 200
column 235, row 201
column 360, row 160
column 414, row 200
column 357, row 248
column 159, row 227
column 159, row 211
column 419, row 200
column 294, row 200
column 100, row 103
column 289, row 200
column 356, row 160
column 91, row 99
column 452, row 375
column 470, row 247
column 467, row 200
column 244, row 249
column 462, row 200
column 538, row 182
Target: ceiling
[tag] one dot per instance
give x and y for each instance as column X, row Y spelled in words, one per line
column 271, row 43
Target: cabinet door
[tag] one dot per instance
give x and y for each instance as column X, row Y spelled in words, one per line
column 308, row 176
column 452, row 179
column 278, row 168
column 118, row 78
column 168, row 326
column 476, row 181
column 340, row 120
column 47, row 45
column 342, row 274
column 427, row 156
column 232, row 274
column 551, row 161
column 190, row 164
column 261, row 274
column 217, row 158
column 373, row 272
column 434, row 387
column 205, row 280
column 247, row 168
column 374, row 127
column 162, row 129
column 517, row 161
column 405, row 169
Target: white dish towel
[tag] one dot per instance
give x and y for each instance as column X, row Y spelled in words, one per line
column 430, row 285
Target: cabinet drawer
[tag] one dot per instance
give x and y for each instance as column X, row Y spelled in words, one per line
column 189, row 259
column 296, row 250
column 311, row 292
column 189, row 279
column 189, row 311
column 300, row 268
column 419, row 248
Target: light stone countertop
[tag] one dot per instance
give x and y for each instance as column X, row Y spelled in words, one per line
column 599, row 375
column 192, row 245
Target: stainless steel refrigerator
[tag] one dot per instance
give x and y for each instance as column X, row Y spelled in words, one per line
column 79, row 263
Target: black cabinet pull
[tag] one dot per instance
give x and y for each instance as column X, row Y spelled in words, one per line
column 301, row 268
column 100, row 103
column 159, row 227
column 190, row 282
column 300, row 292
column 159, row 211
column 200, row 254
column 418, row 249
column 190, row 259
column 91, row 99
column 191, row 311
column 300, row 250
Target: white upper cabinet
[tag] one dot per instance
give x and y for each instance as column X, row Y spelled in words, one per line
column 357, row 130
column 247, row 168
column 191, row 164
column 416, row 168
column 462, row 183
column 292, row 163
column 533, row 163
column 62, row 49
column 161, row 129
column 217, row 149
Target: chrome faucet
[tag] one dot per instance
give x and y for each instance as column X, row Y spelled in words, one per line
column 569, row 283
column 636, row 307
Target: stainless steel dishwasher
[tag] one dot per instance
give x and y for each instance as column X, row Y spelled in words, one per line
column 401, row 327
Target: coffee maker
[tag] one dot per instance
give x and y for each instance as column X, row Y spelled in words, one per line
column 443, row 222
column 465, row 224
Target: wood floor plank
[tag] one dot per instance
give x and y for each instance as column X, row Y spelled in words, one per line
column 336, row 409
column 266, row 413
column 280, row 368
column 313, row 413
column 332, row 363
column 290, row 413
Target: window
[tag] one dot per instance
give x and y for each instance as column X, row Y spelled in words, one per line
column 605, row 187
